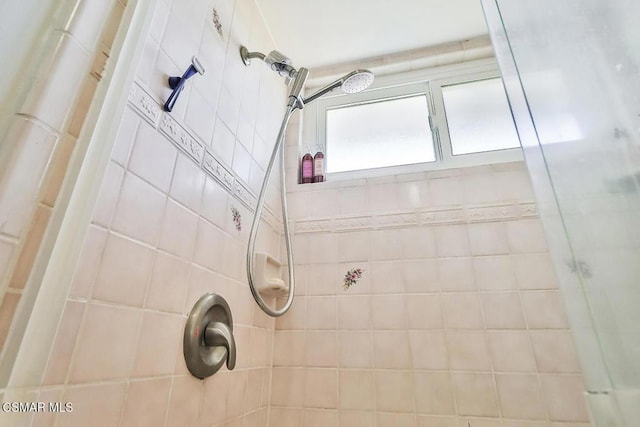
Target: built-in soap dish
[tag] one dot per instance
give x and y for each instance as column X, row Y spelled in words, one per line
column 268, row 276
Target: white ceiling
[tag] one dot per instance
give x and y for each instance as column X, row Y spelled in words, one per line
column 316, row 33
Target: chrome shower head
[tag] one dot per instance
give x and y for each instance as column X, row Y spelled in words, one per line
column 353, row 82
column 357, row 81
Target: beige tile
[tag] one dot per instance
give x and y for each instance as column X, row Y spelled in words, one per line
column 356, row 419
column 446, row 191
column 188, row 183
column 287, row 387
column 394, row 391
column 23, row 174
column 452, row 240
column 511, row 351
column 261, row 345
column 383, row 197
column 47, row 418
column 355, row 349
column 395, row 420
column 256, row 380
column 104, row 329
column 285, row 417
column 428, row 421
column 153, row 157
column 462, row 310
column 178, row 233
column 475, row 394
column 214, row 203
column 146, row 401
column 140, row 210
column 88, row 262
column 202, row 281
column 322, row 349
column 418, row 243
column 544, row 310
column 126, row 136
column 494, row 273
column 353, row 246
column 108, row 195
column 236, row 393
column 555, row 351
column 520, row 397
column 7, row 250
column 209, row 246
column 468, row 351
column 57, row 170
column 354, row 312
column 479, row 422
column 322, row 313
column 526, row 236
column 389, row 312
column 65, row 339
column 502, row 310
column 316, row 418
column 357, row 390
column 535, row 271
column 320, row 388
column 184, row 405
column 7, row 311
column 289, row 348
column 169, row 282
column 456, row 274
column 421, row 276
column 158, row 345
column 434, row 393
column 124, row 272
column 428, row 350
column 488, row 238
column 424, row 311
column 353, row 201
column 324, row 279
column 386, row 245
column 564, row 396
column 31, row 246
column 94, row 402
column 386, row 277
column 296, row 317
column 480, row 187
column 391, row 350
column 214, row 399
column 323, row 247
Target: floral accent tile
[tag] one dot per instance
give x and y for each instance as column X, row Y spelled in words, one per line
column 237, row 218
column 352, row 276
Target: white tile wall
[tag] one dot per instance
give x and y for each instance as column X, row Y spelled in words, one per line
column 456, row 320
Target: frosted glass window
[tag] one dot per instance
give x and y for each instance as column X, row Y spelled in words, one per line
column 478, row 117
column 379, row 134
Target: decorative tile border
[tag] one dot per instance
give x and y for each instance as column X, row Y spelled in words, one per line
column 179, row 135
column 215, row 169
column 151, row 111
column 144, row 104
column 467, row 215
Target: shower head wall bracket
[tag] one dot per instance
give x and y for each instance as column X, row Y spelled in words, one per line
column 277, row 61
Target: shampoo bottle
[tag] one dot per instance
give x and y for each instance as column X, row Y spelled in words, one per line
column 307, row 169
column 318, row 167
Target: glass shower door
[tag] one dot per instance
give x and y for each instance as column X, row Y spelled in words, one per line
column 571, row 69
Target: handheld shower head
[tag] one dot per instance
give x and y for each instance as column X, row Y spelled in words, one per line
column 355, row 81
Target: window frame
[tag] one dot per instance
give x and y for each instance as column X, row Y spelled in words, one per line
column 428, row 82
